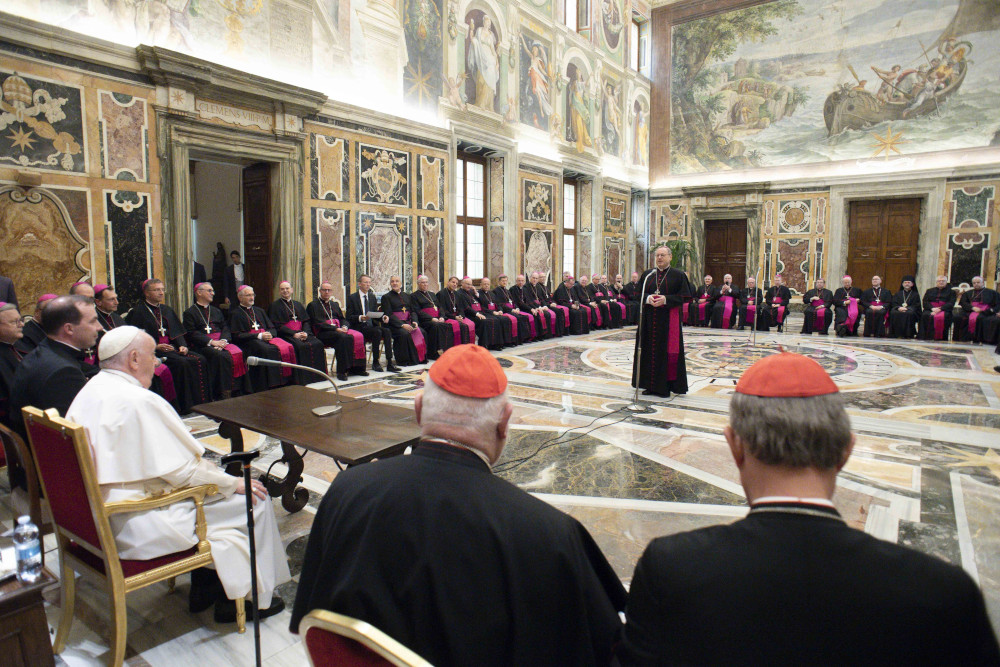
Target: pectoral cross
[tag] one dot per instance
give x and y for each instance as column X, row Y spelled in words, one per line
column 163, row 332
column 295, row 318
column 208, row 328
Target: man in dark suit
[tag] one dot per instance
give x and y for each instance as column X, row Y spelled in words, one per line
column 51, row 375
column 235, row 277
column 792, row 583
column 359, row 305
column 456, row 563
column 7, row 290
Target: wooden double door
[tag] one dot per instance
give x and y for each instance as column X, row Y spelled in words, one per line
column 725, row 251
column 882, row 241
column 258, row 260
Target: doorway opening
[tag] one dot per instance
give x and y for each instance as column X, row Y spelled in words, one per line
column 231, row 211
column 726, row 250
column 882, row 240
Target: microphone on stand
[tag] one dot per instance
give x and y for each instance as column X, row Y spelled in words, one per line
column 636, row 406
column 323, row 411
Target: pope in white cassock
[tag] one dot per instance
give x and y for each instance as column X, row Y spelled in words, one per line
column 141, row 448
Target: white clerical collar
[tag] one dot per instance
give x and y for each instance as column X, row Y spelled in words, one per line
column 121, row 374
column 825, row 502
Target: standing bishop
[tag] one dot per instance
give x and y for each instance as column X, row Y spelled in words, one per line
column 658, row 367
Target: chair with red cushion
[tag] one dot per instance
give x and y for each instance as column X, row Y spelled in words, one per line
column 27, row 500
column 65, row 468
column 334, row 639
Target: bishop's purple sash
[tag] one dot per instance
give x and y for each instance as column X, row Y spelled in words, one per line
column 852, row 313
column 701, row 310
column 727, row 311
column 586, row 309
column 597, row 313
column 673, row 342
column 565, row 312
column 294, row 325
column 513, row 323
column 821, row 312
column 239, row 368
column 166, row 381
column 973, row 316
column 622, row 306
column 286, row 350
column 90, row 357
column 417, row 335
column 938, row 319
column 456, row 327
column 781, row 309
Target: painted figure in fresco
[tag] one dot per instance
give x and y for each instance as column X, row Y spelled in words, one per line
column 611, row 14
column 640, row 136
column 610, row 119
column 537, row 85
column 482, row 62
column 578, row 111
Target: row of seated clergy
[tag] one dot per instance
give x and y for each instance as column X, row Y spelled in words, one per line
column 727, row 306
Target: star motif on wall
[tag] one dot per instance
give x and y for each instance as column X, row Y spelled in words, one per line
column 177, row 97
column 888, row 143
column 419, row 85
column 989, row 460
column 21, row 139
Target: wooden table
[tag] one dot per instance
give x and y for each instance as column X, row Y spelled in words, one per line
column 24, row 630
column 362, row 431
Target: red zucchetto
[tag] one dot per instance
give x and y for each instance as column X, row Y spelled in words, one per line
column 786, row 375
column 469, row 370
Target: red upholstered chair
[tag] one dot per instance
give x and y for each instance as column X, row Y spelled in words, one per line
column 28, row 500
column 334, row 639
column 65, row 469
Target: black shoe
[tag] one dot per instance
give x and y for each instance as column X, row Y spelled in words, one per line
column 362, row 372
column 342, row 377
column 393, row 368
column 205, row 589
column 648, row 392
column 996, row 369
column 225, row 610
column 376, row 369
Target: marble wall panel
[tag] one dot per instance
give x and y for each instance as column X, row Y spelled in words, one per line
column 801, row 216
column 615, row 214
column 537, row 253
column 430, row 250
column 537, row 201
column 584, row 252
column 128, row 234
column 430, row 183
column 124, row 131
column 793, row 263
column 794, row 216
column 586, row 217
column 497, row 212
column 971, row 229
column 614, row 257
column 385, row 249
column 496, row 243
column 42, row 248
column 330, row 166
column 42, row 124
column 330, row 262
column 383, row 176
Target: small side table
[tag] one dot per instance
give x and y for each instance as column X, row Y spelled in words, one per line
column 24, row 629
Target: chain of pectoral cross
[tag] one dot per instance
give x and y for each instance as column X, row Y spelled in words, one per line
column 158, row 317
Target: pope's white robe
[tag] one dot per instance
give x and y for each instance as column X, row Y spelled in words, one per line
column 141, row 448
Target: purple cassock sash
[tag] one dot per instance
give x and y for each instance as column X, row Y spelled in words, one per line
column 359, row 339
column 565, row 312
column 285, row 348
column 513, row 323
column 586, row 309
column 821, row 310
column 973, row 316
column 685, row 317
column 622, row 306
column 239, row 368
column 727, row 311
column 163, row 340
column 701, row 310
column 477, row 307
column 781, row 309
column 417, row 335
column 531, row 324
column 938, row 319
column 673, row 342
column 90, row 357
column 294, row 325
column 597, row 312
column 852, row 312
column 752, row 309
column 166, row 381
column 456, row 328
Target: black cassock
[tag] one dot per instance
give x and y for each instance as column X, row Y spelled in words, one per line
column 326, row 319
column 290, row 318
column 246, row 324
column 631, row 305
column 778, row 298
column 536, row 296
column 903, row 324
column 31, row 335
column 699, row 314
column 189, row 371
column 934, row 326
column 541, row 293
column 876, row 321
column 968, row 328
column 459, row 565
column 406, row 345
column 438, row 335
column 598, row 316
column 818, row 313
column 10, row 359
column 525, row 322
column 487, row 328
column 493, row 311
column 753, row 312
column 221, row 364
column 579, row 319
column 660, row 368
column 598, row 293
column 720, row 318
column 848, row 311
column 452, row 311
column 163, row 380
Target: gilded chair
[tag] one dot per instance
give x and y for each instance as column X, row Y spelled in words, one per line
column 334, row 639
column 65, row 470
column 27, row 499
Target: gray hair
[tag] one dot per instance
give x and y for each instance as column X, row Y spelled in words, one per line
column 9, row 306
column 119, row 360
column 795, row 432
column 480, row 415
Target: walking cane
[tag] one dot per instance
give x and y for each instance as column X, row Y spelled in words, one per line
column 244, row 458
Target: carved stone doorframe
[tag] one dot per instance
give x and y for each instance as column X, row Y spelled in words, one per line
column 699, row 214
column 183, row 139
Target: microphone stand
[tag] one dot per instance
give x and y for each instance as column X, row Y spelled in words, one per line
column 635, row 405
column 244, row 459
column 752, row 338
column 323, row 411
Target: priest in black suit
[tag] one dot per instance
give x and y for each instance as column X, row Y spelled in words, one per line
column 977, row 306
column 936, row 316
column 292, row 322
column 565, row 296
column 359, row 304
column 329, row 324
column 254, row 333
column 658, row 363
column 51, row 375
column 208, row 334
column 818, row 313
column 189, row 369
column 777, row 297
column 33, row 331
column 793, row 583
column 408, row 343
column 463, row 330
column 466, row 568
column 847, row 304
column 905, row 311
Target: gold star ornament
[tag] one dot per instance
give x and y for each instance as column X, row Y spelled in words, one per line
column 888, row 143
column 21, row 139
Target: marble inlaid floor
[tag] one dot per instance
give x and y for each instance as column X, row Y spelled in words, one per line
column 925, row 470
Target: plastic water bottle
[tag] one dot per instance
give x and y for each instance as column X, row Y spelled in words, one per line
column 28, row 549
